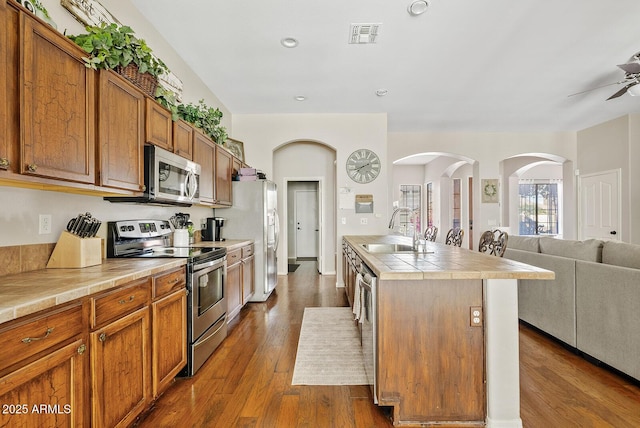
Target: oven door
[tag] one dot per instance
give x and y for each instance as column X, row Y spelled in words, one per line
column 208, row 303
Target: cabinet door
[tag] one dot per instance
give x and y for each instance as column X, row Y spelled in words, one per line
column 248, row 278
column 204, row 154
column 159, row 126
column 234, row 291
column 8, row 86
column 183, row 139
column 223, row 176
column 121, row 133
column 56, row 107
column 121, row 369
column 49, row 392
column 169, row 340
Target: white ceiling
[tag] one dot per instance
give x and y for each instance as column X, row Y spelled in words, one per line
column 464, row 65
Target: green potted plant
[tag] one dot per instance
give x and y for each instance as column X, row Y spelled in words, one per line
column 110, row 46
column 206, row 118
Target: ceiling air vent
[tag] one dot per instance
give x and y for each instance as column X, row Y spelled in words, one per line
column 363, row 33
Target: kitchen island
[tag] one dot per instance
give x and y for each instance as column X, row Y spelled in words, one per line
column 446, row 330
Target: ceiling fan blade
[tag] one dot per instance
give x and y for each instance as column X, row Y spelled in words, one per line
column 597, row 87
column 632, row 67
column 622, row 91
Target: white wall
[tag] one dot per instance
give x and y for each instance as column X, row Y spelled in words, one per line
column 616, row 145
column 345, row 133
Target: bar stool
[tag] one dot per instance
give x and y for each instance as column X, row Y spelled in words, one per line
column 493, row 242
column 431, row 233
column 454, row 237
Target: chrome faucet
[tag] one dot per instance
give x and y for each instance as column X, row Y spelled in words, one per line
column 414, row 215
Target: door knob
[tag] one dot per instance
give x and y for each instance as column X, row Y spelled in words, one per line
column 613, row 232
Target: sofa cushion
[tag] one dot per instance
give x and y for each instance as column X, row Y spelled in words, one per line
column 524, row 243
column 621, row 254
column 589, row 250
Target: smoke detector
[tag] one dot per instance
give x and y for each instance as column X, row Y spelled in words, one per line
column 363, row 33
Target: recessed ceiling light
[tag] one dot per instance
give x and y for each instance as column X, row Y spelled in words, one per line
column 300, row 98
column 382, row 92
column 289, row 42
column 417, row 7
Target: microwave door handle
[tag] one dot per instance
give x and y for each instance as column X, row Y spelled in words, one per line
column 191, row 185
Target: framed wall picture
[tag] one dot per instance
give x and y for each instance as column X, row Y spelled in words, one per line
column 489, row 190
column 235, row 147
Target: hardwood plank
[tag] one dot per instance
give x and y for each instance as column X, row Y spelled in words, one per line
column 247, row 382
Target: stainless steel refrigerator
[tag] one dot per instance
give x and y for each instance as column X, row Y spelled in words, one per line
column 254, row 216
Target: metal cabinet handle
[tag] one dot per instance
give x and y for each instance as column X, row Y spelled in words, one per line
column 102, row 337
column 129, row 300
column 32, row 167
column 82, row 348
column 33, row 339
column 4, row 163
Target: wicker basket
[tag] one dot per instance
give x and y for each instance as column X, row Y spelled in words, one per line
column 145, row 81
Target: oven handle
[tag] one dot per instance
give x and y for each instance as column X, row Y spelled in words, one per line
column 217, row 263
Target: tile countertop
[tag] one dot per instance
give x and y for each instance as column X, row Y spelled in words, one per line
column 25, row 293
column 439, row 262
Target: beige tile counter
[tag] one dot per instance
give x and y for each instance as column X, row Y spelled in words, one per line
column 25, row 293
column 440, row 262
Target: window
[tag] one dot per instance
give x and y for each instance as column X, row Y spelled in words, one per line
column 456, row 214
column 410, row 197
column 538, row 209
column 429, row 204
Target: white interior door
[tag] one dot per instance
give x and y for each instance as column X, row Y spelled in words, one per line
column 306, row 227
column 600, row 206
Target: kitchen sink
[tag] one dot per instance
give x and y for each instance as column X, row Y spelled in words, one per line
column 388, row 248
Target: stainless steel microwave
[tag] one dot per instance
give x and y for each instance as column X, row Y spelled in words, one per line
column 169, row 179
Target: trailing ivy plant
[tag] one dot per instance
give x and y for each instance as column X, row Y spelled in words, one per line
column 204, row 117
column 111, row 45
column 167, row 99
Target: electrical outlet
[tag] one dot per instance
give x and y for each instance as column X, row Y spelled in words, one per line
column 363, row 220
column 475, row 315
column 44, row 224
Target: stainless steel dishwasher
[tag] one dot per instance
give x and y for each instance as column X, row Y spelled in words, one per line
column 369, row 327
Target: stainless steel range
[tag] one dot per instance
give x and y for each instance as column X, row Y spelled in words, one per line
column 206, row 281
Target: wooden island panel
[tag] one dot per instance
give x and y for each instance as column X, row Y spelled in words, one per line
column 430, row 358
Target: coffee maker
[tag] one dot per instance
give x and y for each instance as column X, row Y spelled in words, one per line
column 213, row 231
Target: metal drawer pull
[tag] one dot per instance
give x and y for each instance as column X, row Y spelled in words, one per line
column 130, row 299
column 31, row 339
column 32, row 167
column 4, row 163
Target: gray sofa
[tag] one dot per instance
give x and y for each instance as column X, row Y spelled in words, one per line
column 593, row 304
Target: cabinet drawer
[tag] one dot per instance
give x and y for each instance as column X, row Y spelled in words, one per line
column 165, row 283
column 34, row 334
column 234, row 256
column 247, row 251
column 119, row 302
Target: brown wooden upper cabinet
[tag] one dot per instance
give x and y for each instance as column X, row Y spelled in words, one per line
column 204, row 153
column 57, row 98
column 183, row 139
column 159, row 125
column 8, row 83
column 120, row 133
column 223, row 170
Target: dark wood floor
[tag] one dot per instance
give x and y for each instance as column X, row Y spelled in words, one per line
column 247, row 382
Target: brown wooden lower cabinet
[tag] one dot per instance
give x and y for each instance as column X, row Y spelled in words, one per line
column 121, row 370
column 169, row 340
column 240, row 279
column 99, row 361
column 44, row 370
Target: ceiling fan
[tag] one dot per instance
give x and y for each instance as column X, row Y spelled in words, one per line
column 631, row 78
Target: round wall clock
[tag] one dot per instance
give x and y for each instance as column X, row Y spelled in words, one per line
column 363, row 166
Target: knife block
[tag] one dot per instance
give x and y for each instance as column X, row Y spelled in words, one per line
column 72, row 251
